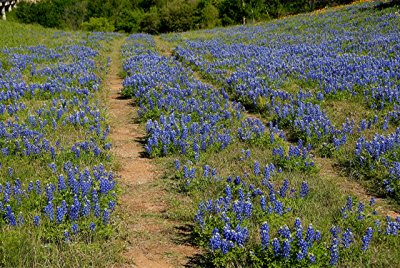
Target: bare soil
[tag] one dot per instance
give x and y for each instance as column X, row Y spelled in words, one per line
column 352, row 187
column 150, row 236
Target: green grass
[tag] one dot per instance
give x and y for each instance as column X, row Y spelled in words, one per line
column 328, row 188
column 44, row 246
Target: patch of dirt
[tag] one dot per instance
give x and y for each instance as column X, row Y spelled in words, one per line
column 149, row 235
column 352, row 187
column 163, row 47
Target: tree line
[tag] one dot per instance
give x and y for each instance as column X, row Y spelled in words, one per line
column 158, row 16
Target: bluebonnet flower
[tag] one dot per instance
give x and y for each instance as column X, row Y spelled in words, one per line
column 247, row 208
column 106, row 216
column 111, row 205
column 53, row 167
column 360, row 211
column 303, row 250
column 297, row 223
column 50, row 192
column 372, row 201
column 36, row 220
column 263, row 203
column 49, row 211
column 92, row 226
column 10, row 217
column 228, row 193
column 177, row 164
column 366, row 239
column 225, row 245
column 264, row 232
column 284, row 188
column 66, row 236
column 267, row 173
column 347, row 238
column 247, row 153
column 242, row 234
column 96, row 210
column 349, row 203
column 278, row 208
column 60, row 214
column 286, row 249
column 310, row 235
column 284, row 232
column 256, row 168
column 237, row 180
column 215, row 241
column 304, row 189
column 276, row 247
column 61, row 183
column 206, row 171
column 334, row 252
column 312, row 258
column 74, row 228
column 318, row 236
column 30, row 187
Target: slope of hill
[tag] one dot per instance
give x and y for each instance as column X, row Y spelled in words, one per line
column 274, row 145
column 283, row 184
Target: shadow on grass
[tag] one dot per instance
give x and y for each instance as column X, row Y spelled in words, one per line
column 390, row 4
column 122, row 97
column 185, row 236
column 198, row 260
column 382, row 5
column 142, row 141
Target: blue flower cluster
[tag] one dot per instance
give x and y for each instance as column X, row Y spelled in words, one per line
column 258, row 63
column 229, row 217
column 380, row 153
column 50, row 119
column 295, row 157
column 183, row 114
column 290, row 76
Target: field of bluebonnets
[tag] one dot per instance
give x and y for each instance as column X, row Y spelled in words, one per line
column 244, row 121
column 57, row 190
column 244, row 117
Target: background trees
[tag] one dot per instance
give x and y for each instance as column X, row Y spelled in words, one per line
column 158, row 16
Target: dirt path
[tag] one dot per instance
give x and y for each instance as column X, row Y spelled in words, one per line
column 149, row 234
column 352, row 187
column 327, row 171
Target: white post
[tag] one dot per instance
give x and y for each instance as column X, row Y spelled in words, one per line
column 3, row 13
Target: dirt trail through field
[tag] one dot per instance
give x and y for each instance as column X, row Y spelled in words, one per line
column 327, row 171
column 149, row 235
column 352, row 187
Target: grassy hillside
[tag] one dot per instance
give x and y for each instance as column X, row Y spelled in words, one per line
column 283, row 183
column 278, row 144
column 57, row 190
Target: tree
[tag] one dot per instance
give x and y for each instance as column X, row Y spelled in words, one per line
column 178, row 16
column 74, row 15
column 150, row 22
column 98, row 25
column 231, row 11
column 128, row 21
column 210, row 16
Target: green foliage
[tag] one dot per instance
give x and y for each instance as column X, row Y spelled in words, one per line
column 150, row 22
column 128, row 20
column 98, row 25
column 43, row 245
column 177, row 16
column 210, row 16
column 159, row 16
